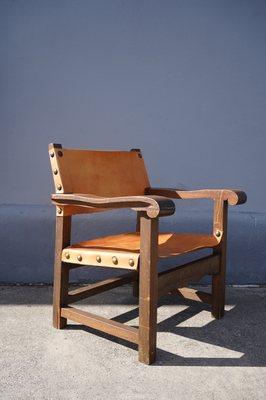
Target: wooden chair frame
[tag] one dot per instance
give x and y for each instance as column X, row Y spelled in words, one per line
column 150, row 206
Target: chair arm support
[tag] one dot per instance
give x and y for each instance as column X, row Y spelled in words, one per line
column 154, row 206
column 232, row 196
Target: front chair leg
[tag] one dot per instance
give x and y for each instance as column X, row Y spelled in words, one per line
column 218, row 280
column 61, row 271
column 218, row 295
column 148, row 289
column 135, row 285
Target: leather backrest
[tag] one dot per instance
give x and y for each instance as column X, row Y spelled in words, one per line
column 102, row 173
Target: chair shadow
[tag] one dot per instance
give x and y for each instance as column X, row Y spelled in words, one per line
column 241, row 330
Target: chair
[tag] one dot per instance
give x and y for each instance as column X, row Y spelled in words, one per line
column 88, row 181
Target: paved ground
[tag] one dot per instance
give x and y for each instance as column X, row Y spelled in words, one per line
column 198, row 357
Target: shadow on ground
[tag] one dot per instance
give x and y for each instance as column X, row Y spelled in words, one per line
column 187, row 334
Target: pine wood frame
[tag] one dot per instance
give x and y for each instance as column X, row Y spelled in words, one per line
column 149, row 285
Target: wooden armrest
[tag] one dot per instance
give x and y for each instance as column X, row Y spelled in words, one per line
column 154, row 206
column 233, row 196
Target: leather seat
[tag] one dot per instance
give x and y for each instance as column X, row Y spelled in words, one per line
column 122, row 251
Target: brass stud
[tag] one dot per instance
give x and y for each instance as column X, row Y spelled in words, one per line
column 59, row 210
column 131, row 262
column 52, row 155
column 98, row 259
column 60, row 153
column 115, row 260
column 79, row 257
column 59, row 187
column 67, row 255
column 55, row 172
column 218, row 233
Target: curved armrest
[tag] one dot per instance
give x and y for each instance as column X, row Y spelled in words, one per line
column 154, row 206
column 233, row 196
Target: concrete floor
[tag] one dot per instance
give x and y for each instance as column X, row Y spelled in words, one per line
column 198, row 357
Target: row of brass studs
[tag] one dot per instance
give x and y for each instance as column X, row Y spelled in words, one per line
column 60, row 154
column 99, row 260
column 79, row 257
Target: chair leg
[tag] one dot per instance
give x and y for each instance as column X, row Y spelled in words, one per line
column 218, row 291
column 135, row 285
column 61, row 271
column 218, row 280
column 148, row 289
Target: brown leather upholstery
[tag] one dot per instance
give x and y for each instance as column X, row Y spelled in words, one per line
column 126, row 246
column 102, row 173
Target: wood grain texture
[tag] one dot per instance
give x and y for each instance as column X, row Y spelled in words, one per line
column 154, row 206
column 102, row 324
column 135, row 285
column 148, row 289
column 186, row 274
column 218, row 280
column 61, row 270
column 232, row 196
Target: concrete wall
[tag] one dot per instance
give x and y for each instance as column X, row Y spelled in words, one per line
column 183, row 80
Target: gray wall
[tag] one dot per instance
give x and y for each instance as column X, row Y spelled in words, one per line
column 183, row 80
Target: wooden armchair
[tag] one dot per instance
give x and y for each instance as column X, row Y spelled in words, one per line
column 93, row 181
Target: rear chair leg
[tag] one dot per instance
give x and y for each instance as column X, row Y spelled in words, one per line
column 148, row 289
column 61, row 271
